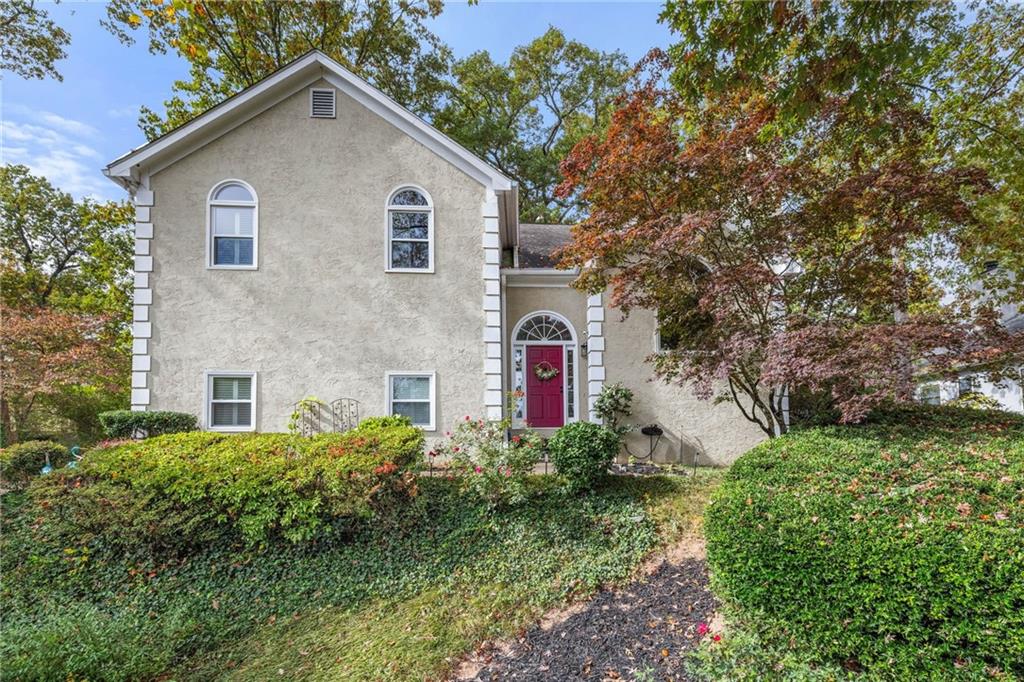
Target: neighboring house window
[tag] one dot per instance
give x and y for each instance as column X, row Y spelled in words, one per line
column 930, row 394
column 412, row 395
column 231, row 401
column 232, row 226
column 410, row 231
column 665, row 340
column 967, row 384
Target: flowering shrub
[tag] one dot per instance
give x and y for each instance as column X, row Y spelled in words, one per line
column 171, row 492
column 491, row 467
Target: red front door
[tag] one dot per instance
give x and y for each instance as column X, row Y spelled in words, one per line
column 545, row 402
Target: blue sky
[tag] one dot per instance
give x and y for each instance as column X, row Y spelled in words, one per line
column 67, row 131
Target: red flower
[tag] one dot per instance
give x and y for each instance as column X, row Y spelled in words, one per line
column 467, row 417
column 516, row 439
column 477, row 469
column 716, row 638
column 702, row 629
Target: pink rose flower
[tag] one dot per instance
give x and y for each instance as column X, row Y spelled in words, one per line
column 702, row 629
column 477, row 469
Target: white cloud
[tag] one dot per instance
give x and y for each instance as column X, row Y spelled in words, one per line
column 57, row 148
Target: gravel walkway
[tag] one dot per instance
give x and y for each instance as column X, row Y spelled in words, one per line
column 638, row 632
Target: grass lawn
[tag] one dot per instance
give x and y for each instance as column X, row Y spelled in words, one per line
column 402, row 599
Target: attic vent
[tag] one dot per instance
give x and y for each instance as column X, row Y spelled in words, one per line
column 321, row 103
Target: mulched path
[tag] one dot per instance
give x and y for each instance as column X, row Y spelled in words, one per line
column 641, row 630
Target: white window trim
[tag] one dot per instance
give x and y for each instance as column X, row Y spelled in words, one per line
column 428, row 209
column 208, row 377
column 573, row 343
column 334, row 102
column 388, row 376
column 255, row 204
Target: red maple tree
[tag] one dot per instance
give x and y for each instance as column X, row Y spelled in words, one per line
column 43, row 351
column 780, row 259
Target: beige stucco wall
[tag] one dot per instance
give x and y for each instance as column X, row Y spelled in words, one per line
column 320, row 316
column 717, row 434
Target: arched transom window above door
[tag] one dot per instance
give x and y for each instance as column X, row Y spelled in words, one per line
column 544, row 328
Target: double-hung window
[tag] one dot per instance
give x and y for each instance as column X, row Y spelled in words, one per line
column 410, row 218
column 231, row 401
column 233, row 226
column 412, row 394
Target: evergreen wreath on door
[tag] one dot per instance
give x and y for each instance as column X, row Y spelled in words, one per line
column 545, row 371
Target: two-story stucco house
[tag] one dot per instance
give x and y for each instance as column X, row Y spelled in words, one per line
column 309, row 236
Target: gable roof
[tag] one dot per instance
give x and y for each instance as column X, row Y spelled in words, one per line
column 128, row 169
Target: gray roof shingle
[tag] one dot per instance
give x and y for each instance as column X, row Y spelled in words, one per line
column 538, row 242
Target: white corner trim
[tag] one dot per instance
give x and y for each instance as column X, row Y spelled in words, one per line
column 595, row 360
column 432, row 375
column 207, row 412
column 493, row 310
column 142, row 298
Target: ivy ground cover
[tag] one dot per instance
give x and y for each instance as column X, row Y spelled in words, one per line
column 398, row 597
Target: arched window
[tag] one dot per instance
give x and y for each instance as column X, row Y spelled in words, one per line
column 232, row 226
column 410, row 225
column 544, row 328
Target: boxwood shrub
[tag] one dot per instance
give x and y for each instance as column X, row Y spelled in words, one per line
column 21, row 462
column 176, row 491
column 582, row 453
column 129, row 424
column 896, row 547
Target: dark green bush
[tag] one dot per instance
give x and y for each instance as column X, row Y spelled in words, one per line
column 173, row 491
column 129, row 424
column 21, row 462
column 896, row 547
column 582, row 453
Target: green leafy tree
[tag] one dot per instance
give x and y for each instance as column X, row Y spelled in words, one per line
column 963, row 72
column 62, row 253
column 232, row 45
column 525, row 116
column 30, row 42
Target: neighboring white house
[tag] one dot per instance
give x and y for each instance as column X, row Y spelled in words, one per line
column 1009, row 393
column 310, row 237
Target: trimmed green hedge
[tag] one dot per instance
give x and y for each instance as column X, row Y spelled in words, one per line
column 896, row 547
column 21, row 462
column 127, row 424
column 582, row 453
column 177, row 491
